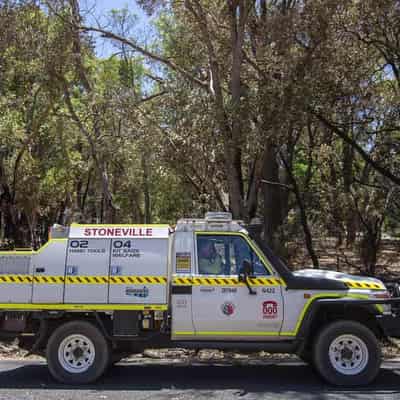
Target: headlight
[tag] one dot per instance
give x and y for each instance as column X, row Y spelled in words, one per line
column 381, row 295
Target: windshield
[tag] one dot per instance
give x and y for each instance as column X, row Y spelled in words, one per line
column 272, row 259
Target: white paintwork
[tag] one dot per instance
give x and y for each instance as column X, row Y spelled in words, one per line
column 138, row 257
column 248, row 315
column 208, row 315
column 181, row 304
column 16, row 264
column 336, row 276
column 294, row 304
column 52, row 260
column 90, row 257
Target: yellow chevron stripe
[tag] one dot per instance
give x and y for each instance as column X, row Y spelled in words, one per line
column 86, row 280
column 81, row 280
column 161, row 280
column 211, row 281
column 16, row 279
column 48, row 279
column 364, row 285
column 139, row 280
column 260, row 281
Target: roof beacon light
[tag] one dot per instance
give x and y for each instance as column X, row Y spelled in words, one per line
column 218, row 216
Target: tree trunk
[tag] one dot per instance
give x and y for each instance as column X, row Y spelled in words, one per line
column 350, row 214
column 15, row 224
column 369, row 249
column 16, row 227
column 273, row 207
column 303, row 215
column 306, row 228
column 336, row 207
column 234, row 178
column 146, row 190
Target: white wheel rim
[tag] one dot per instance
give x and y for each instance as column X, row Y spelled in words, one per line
column 76, row 353
column 348, row 354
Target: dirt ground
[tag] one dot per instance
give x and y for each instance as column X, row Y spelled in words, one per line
column 10, row 351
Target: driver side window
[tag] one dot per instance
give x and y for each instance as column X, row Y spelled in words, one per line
column 212, row 255
column 224, row 255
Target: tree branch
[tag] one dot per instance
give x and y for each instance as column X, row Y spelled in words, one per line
column 155, row 57
column 287, row 187
column 367, row 158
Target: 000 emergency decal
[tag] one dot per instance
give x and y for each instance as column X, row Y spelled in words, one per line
column 270, row 309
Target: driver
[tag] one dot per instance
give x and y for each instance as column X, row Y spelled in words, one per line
column 210, row 262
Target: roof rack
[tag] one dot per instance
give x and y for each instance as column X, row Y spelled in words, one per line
column 213, row 221
column 218, row 216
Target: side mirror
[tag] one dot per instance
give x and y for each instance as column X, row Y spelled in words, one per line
column 246, row 272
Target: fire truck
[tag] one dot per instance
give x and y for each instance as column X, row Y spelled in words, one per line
column 94, row 294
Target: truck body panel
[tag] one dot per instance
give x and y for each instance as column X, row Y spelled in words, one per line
column 16, row 277
column 48, row 269
column 182, row 265
column 91, row 266
column 88, row 263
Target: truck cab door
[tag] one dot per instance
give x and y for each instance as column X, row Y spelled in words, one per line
column 183, row 264
column 223, row 307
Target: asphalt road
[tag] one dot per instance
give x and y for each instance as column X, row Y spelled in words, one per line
column 30, row 380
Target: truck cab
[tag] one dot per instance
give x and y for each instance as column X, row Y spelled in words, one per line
column 225, row 287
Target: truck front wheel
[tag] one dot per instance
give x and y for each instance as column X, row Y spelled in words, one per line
column 347, row 353
column 77, row 352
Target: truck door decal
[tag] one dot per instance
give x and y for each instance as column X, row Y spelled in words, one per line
column 270, row 309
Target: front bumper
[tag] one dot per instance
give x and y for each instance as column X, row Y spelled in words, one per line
column 390, row 325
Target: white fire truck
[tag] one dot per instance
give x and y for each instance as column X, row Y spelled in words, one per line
column 96, row 293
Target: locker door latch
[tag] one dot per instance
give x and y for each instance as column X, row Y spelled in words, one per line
column 72, row 270
column 116, row 270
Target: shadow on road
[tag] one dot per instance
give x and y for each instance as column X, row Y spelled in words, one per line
column 246, row 379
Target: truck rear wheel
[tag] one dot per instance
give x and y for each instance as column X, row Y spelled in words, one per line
column 347, row 353
column 77, row 352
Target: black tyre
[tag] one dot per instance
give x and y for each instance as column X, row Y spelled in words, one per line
column 347, row 353
column 306, row 356
column 77, row 352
